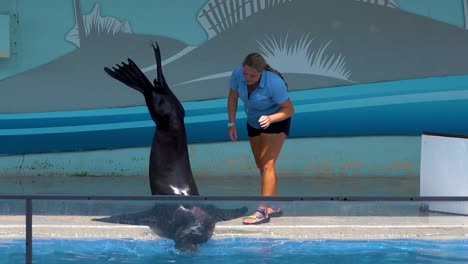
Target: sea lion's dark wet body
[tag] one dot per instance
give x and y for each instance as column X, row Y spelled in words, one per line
column 170, row 172
column 169, row 169
column 185, row 223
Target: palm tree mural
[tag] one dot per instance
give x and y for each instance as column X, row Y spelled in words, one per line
column 93, row 24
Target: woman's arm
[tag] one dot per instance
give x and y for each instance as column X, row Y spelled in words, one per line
column 286, row 110
column 232, row 105
column 232, row 109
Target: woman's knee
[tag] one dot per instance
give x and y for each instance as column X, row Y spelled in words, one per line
column 266, row 165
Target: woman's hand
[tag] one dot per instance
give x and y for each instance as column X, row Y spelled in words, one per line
column 232, row 132
column 264, row 121
column 286, row 110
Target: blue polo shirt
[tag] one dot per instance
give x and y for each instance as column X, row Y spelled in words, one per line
column 265, row 100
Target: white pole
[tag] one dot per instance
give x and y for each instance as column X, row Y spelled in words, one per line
column 465, row 12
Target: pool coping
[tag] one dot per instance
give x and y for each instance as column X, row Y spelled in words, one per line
column 290, row 227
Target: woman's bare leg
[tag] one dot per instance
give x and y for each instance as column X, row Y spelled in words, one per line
column 266, row 149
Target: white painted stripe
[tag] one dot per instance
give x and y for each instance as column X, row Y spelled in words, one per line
column 208, row 77
column 77, row 113
column 267, row 226
column 74, row 129
column 107, row 127
column 385, row 100
column 134, row 110
column 318, row 107
column 363, row 90
column 78, row 226
column 170, row 59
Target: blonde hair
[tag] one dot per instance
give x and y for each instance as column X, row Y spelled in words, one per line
column 256, row 61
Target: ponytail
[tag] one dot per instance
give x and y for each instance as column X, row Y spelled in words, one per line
column 269, row 68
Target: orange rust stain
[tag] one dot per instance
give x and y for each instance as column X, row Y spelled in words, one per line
column 352, row 165
column 398, row 166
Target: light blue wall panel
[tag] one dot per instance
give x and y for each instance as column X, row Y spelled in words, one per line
column 4, row 36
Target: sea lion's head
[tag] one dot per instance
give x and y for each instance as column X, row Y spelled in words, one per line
column 195, row 226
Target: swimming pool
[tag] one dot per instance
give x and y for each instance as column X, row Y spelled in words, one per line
column 63, row 229
column 238, row 250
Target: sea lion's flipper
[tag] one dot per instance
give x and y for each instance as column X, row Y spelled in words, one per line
column 131, row 75
column 148, row 218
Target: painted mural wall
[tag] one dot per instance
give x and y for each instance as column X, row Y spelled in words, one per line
column 4, row 36
column 354, row 67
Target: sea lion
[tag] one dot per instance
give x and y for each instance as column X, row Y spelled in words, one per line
column 170, row 172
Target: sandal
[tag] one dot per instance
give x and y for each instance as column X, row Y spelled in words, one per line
column 275, row 212
column 260, row 218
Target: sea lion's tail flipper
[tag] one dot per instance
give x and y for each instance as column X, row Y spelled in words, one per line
column 131, row 75
column 160, row 81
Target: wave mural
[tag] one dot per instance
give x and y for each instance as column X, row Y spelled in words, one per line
column 353, row 67
column 394, row 108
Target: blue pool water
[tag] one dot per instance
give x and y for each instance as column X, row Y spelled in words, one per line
column 238, row 250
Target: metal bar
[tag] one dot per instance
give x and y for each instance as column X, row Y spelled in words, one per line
column 236, row 198
column 29, row 231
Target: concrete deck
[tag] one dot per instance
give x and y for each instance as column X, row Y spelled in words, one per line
column 296, row 227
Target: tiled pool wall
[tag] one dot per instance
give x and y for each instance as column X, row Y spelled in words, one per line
column 306, row 166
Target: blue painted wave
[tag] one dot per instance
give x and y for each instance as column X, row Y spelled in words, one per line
column 406, row 107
